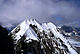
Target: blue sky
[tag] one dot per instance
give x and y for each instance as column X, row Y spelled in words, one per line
column 59, row 12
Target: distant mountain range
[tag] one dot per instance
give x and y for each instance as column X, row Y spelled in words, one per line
column 70, row 30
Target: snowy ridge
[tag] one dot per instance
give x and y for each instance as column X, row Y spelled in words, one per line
column 57, row 34
column 19, row 31
column 47, row 32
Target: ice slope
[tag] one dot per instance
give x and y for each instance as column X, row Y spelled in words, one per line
column 31, row 34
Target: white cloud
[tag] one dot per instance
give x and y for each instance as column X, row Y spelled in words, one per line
column 15, row 11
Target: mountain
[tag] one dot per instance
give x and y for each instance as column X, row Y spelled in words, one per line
column 6, row 42
column 33, row 38
column 70, row 30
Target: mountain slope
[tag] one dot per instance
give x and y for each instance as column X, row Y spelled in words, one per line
column 6, row 43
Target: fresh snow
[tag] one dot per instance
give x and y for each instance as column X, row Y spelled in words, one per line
column 23, row 28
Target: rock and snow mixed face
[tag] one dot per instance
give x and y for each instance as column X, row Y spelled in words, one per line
column 48, row 36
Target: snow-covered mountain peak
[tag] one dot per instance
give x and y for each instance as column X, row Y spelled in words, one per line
column 46, row 34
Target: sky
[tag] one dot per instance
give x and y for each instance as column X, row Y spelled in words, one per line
column 59, row 12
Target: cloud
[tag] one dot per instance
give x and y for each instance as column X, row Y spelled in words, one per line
column 13, row 12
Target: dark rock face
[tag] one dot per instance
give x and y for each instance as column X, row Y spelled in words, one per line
column 6, row 43
column 31, row 47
